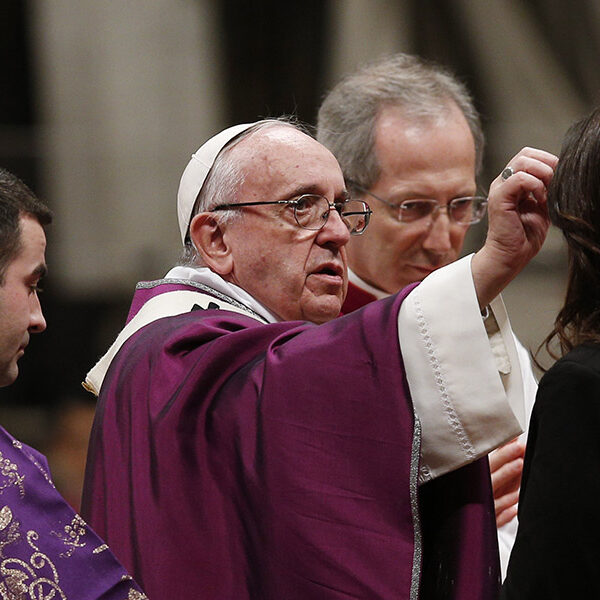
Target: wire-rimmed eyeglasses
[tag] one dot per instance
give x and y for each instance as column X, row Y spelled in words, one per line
column 311, row 211
column 462, row 211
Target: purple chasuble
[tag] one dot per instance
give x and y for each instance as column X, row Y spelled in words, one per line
column 356, row 298
column 457, row 518
column 232, row 459
column 46, row 550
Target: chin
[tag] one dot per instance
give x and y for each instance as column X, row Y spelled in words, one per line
column 9, row 376
column 324, row 312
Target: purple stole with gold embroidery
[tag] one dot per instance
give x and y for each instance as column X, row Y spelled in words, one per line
column 46, row 549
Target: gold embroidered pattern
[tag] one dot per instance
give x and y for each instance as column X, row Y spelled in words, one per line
column 99, row 549
column 37, row 579
column 73, row 532
column 10, row 475
column 5, row 517
column 41, row 469
column 17, row 444
column 9, row 529
column 135, row 595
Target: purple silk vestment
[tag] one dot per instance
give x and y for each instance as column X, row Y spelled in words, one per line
column 232, row 459
column 46, row 550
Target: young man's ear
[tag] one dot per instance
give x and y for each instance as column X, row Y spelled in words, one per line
column 207, row 235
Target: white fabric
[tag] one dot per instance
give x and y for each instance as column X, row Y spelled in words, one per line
column 508, row 532
column 356, row 280
column 216, row 282
column 176, row 303
column 168, row 304
column 197, row 171
column 466, row 406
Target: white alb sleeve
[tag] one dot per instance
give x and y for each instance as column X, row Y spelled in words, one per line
column 465, row 384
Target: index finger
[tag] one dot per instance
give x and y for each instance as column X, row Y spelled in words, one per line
column 510, row 451
column 536, row 153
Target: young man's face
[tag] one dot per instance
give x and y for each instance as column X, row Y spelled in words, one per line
column 20, row 310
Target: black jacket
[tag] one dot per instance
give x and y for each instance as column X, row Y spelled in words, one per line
column 557, row 550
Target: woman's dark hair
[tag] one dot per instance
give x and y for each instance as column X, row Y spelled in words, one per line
column 574, row 206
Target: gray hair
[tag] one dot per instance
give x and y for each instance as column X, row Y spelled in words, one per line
column 223, row 184
column 347, row 117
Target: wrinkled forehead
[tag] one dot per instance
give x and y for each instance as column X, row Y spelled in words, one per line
column 280, row 158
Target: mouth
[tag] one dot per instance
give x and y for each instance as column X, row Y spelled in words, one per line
column 424, row 269
column 329, row 270
column 22, row 347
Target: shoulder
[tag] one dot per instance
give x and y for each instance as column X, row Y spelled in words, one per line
column 583, row 360
column 199, row 322
column 573, row 381
column 9, row 445
column 177, row 343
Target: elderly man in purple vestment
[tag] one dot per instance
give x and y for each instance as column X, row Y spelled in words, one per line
column 409, row 141
column 46, row 550
column 249, row 445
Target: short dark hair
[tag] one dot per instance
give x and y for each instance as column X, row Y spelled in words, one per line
column 16, row 200
column 574, row 207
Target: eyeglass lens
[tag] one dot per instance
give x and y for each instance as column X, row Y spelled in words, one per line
column 460, row 210
column 312, row 212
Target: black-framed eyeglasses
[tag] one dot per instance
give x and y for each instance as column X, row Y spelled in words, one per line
column 311, row 211
column 462, row 211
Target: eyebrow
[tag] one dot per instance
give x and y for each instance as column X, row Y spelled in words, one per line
column 312, row 189
column 40, row 271
column 417, row 193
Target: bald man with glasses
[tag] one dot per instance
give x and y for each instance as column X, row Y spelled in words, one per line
column 249, row 444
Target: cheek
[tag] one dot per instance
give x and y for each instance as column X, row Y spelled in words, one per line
column 283, row 275
column 13, row 324
column 457, row 238
column 16, row 309
column 396, row 241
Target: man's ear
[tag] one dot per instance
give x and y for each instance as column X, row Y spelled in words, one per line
column 208, row 237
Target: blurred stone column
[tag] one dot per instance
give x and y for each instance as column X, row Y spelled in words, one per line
column 533, row 102
column 128, row 90
column 363, row 30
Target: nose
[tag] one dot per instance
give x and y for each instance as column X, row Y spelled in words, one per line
column 37, row 323
column 335, row 230
column 437, row 240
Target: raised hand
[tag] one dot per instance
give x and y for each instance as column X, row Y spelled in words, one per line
column 518, row 221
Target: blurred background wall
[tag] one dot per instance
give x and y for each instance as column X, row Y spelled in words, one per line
column 103, row 102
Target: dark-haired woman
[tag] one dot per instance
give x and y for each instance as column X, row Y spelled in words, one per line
column 557, row 550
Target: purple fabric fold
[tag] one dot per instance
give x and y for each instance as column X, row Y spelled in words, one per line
column 234, row 459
